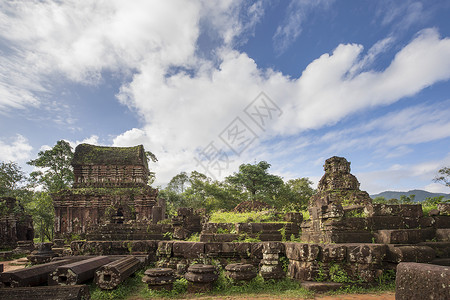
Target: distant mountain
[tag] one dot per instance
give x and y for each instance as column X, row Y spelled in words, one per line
column 420, row 195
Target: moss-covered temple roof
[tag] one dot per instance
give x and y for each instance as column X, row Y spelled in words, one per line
column 86, row 154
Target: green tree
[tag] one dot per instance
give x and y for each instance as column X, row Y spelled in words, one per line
column 295, row 195
column 256, row 181
column 43, row 213
column 380, row 200
column 178, row 182
column 407, row 199
column 56, row 172
column 151, row 157
column 443, row 176
column 11, row 177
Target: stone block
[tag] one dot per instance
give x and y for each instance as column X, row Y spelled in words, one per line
column 294, row 217
column 442, row 249
column 444, row 209
column 68, row 292
column 443, row 234
column 441, row 221
column 335, row 236
column 302, row 251
column 404, row 236
column 273, row 247
column 409, row 253
column 333, row 252
column 365, row 253
column 165, row 248
column 422, row 281
column 401, row 210
column 303, row 270
column 256, row 250
column 321, row 287
column 188, row 249
column 242, row 250
column 350, row 224
column 213, row 249
column 185, row 212
column 392, row 222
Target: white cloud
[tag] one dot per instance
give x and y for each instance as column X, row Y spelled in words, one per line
column 16, row 149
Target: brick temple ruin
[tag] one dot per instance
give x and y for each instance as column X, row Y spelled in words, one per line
column 15, row 225
column 110, row 191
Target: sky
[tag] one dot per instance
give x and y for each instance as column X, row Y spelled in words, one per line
column 208, row 85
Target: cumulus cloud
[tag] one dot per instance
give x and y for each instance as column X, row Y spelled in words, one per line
column 16, row 149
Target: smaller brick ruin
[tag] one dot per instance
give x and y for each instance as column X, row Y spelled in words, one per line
column 15, row 225
column 110, row 191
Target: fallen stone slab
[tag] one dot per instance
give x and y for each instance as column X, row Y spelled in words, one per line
column 32, row 276
column 321, row 287
column 109, row 276
column 422, row 281
column 73, row 292
column 77, row 272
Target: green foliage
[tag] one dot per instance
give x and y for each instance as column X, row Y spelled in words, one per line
column 195, row 237
column 443, row 176
column 255, row 182
column 11, row 177
column 380, row 200
column 245, row 238
column 43, row 213
column 338, row 274
column 56, row 172
column 250, row 217
column 225, row 286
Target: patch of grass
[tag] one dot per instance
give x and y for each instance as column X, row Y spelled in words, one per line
column 195, row 237
column 305, row 214
column 250, row 217
column 225, row 286
column 427, row 208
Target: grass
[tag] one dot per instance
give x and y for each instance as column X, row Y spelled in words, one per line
column 250, row 217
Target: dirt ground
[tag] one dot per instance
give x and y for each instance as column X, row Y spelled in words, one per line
column 12, row 265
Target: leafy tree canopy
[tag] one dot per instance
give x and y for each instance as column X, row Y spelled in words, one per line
column 256, row 181
column 56, row 172
column 11, row 176
column 443, row 176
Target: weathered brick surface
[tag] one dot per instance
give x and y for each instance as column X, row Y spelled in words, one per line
column 422, row 281
column 302, row 251
column 333, row 252
column 188, row 249
column 442, row 249
column 365, row 253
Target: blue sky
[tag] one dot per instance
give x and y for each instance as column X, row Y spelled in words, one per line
column 208, row 85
